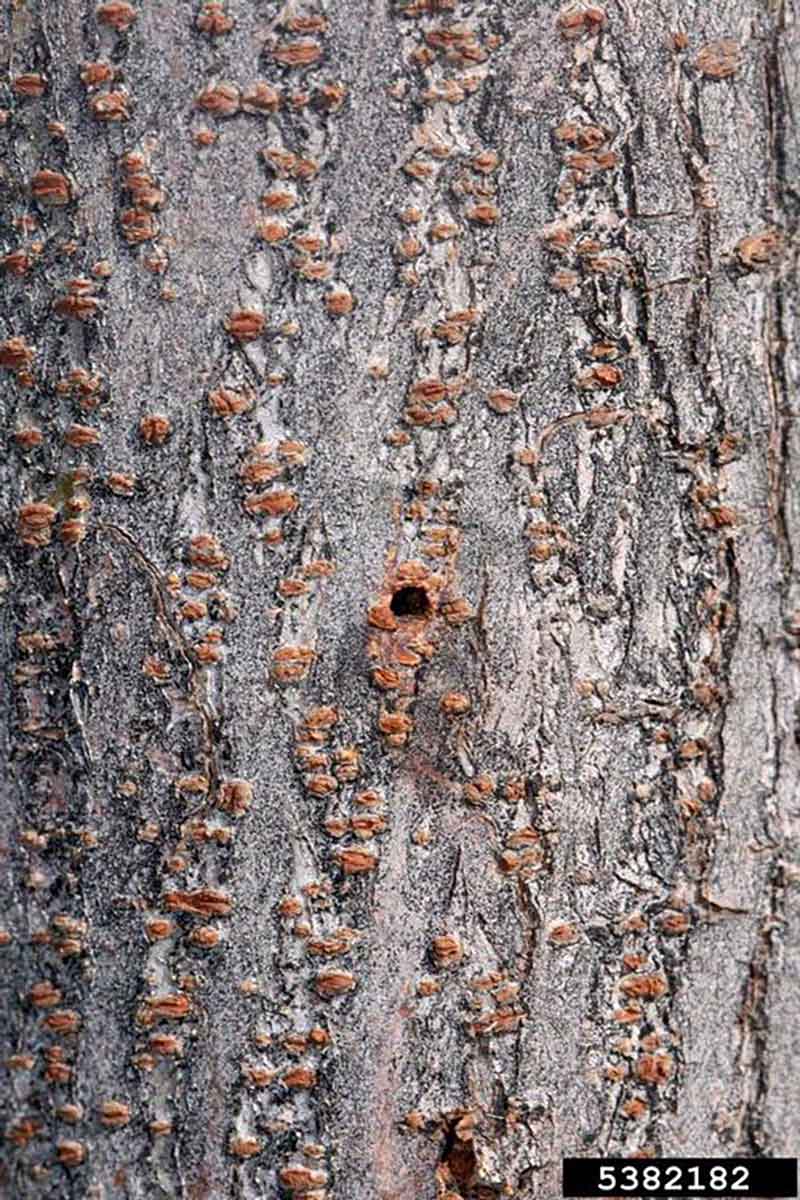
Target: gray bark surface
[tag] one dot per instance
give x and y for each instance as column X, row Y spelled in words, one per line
column 484, row 313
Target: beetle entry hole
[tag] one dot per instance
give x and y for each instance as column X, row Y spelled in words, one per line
column 410, row 602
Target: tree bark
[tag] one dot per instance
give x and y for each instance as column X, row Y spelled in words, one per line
column 400, row 595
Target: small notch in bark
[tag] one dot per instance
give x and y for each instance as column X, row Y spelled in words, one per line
column 458, row 1161
column 411, row 602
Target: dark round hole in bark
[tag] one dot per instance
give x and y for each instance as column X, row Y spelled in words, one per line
column 410, row 602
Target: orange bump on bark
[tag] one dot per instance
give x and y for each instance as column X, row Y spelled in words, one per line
column 69, row 1153
column 158, row 928
column 93, row 74
column 34, row 524
column 279, row 199
column 321, row 784
column 428, row 391
column 144, row 191
column 205, row 550
column 485, row 162
column 259, row 468
column 291, row 663
column 200, row 580
column 382, row 617
column 245, row 324
column 79, row 302
column 291, row 588
column 120, row 483
column 18, row 262
column 155, row 428
column 347, row 760
column 169, row 1007
column 603, row 375
column 260, row 97
column 114, row 1114
column 300, row 1077
column 331, row 96
column 564, row 934
column 396, row 725
column 338, row 943
column 498, row 1022
column 166, row 1045
column 311, row 269
column 675, row 923
column 634, row 1109
column 578, row 19
column 30, row 84
column 644, row 987
column 386, row 678
column 272, row 231
column 258, row 1076
column 20, row 1062
column 447, row 950
column 298, row 53
column 414, row 1120
column 455, row 704
column 72, row 532
column 319, row 568
column 354, row 860
column 51, row 188
column 44, row 995
column 213, row 20
column 719, row 59
column 70, row 1113
column 293, row 453
column 110, row 106
column 299, row 1179
column 82, row 435
column 235, row 796
column 227, row 402
column 62, row 1021
column 483, row 214
column 205, row 936
column 442, row 231
column 192, row 785
column 417, row 168
column 339, row 302
column 138, row 226
column 245, row 1147
column 202, row 902
column 208, row 648
column 295, row 1042
column 221, row 100
column 502, row 400
column 276, row 503
column 329, row 984
column 654, row 1068
column 117, row 14
column 759, row 249
column 457, row 612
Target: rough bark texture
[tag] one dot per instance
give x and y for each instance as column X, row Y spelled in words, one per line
column 400, row 600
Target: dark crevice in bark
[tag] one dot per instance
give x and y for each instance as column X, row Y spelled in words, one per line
column 752, row 1059
column 786, row 201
